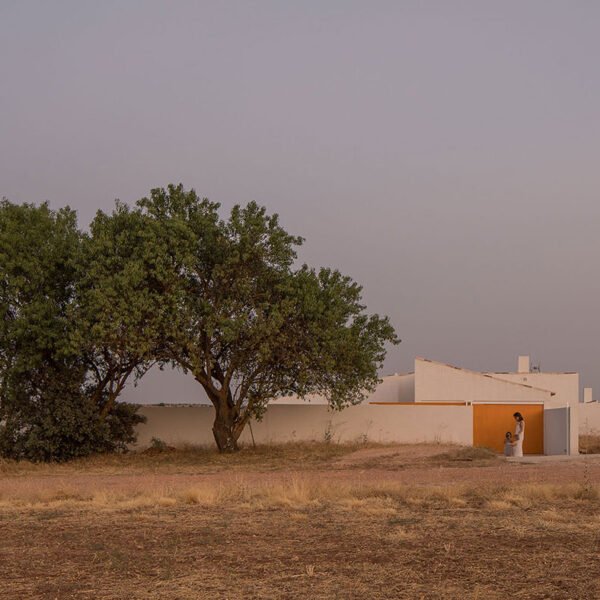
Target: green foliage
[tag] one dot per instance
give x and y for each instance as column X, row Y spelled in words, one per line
column 62, row 423
column 250, row 326
column 168, row 281
column 158, row 445
column 48, row 410
column 122, row 300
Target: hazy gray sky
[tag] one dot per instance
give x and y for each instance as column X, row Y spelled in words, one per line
column 444, row 154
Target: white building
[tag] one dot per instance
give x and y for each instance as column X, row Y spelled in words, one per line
column 435, row 403
column 548, row 401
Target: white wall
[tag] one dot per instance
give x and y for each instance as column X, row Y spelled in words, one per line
column 290, row 419
column 564, row 385
column 438, row 382
column 284, row 423
column 395, row 388
column 589, row 418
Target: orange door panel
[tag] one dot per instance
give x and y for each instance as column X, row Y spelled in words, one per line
column 492, row 421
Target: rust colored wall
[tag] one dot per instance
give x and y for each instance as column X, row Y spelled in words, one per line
column 492, row 421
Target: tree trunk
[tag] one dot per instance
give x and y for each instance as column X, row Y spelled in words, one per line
column 224, row 432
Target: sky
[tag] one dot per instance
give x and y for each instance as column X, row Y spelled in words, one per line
column 443, row 154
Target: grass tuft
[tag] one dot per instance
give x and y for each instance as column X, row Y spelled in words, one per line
column 466, row 454
column 589, row 444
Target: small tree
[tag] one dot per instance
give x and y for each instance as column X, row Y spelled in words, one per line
column 249, row 326
column 47, row 410
column 42, row 408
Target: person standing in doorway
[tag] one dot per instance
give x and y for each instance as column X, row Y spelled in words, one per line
column 519, row 434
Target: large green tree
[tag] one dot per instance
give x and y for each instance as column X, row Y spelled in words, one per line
column 249, row 325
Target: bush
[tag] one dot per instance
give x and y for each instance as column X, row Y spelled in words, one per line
column 589, row 444
column 60, row 422
column 51, row 404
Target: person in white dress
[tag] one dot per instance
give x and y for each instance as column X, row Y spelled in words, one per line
column 519, row 434
column 508, row 444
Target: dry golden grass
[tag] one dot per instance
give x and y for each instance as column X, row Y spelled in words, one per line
column 293, row 492
column 589, row 444
column 305, row 540
column 194, row 459
column 255, row 526
column 466, row 457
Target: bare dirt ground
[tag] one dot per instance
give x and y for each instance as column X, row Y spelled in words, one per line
column 419, row 464
column 303, row 521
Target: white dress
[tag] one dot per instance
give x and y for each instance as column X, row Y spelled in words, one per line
column 518, row 438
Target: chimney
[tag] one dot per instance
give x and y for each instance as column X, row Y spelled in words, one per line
column 523, row 364
column 587, row 395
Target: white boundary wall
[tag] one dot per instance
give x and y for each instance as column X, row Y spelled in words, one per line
column 589, row 418
column 285, row 423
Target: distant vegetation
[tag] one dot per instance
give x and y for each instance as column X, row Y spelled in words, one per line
column 589, row 444
column 166, row 282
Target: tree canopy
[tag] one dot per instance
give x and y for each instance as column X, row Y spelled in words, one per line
column 168, row 281
column 52, row 406
column 250, row 326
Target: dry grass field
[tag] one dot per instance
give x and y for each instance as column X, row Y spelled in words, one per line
column 301, row 521
column 589, row 444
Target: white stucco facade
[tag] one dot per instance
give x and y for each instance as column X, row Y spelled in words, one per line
column 178, row 425
column 440, row 382
column 433, row 403
column 589, row 418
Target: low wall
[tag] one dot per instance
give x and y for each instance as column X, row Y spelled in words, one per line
column 284, row 423
column 589, row 418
